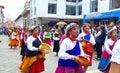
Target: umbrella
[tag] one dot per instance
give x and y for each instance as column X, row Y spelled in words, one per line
column 61, row 23
column 52, row 23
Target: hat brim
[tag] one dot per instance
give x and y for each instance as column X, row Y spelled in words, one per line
column 71, row 27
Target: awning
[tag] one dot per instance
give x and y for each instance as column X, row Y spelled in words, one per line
column 112, row 14
column 94, row 15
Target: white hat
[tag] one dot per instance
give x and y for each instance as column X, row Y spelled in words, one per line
column 70, row 26
column 33, row 27
column 114, row 28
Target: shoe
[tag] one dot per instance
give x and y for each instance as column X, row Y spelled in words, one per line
column 97, row 59
column 56, row 54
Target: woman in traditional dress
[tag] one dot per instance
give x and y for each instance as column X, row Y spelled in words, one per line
column 89, row 40
column 56, row 37
column 69, row 52
column 47, row 36
column 14, row 42
column 115, row 59
column 107, row 53
column 33, row 61
column 23, row 41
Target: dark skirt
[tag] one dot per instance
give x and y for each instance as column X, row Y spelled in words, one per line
column 23, row 48
column 56, row 46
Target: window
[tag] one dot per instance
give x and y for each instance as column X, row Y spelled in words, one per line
column 71, row 0
column 79, row 0
column 52, row 8
column 80, row 10
column 93, row 5
column 70, row 10
column 35, row 11
column 52, row 0
column 34, row 1
column 114, row 4
column 31, row 12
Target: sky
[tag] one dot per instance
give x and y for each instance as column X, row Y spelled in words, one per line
column 13, row 8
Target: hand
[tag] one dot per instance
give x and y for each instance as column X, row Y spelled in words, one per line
column 76, row 58
column 41, row 49
column 87, row 56
column 81, row 39
column 86, row 40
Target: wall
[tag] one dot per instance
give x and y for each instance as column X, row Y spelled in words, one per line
column 41, row 8
column 61, row 8
column 103, row 5
column 85, row 7
column 20, row 22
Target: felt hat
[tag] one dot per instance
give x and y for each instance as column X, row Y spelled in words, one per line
column 70, row 26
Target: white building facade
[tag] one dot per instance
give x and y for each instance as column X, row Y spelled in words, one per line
column 43, row 11
column 1, row 15
column 101, row 10
column 19, row 21
column 23, row 19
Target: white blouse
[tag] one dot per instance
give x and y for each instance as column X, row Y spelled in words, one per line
column 30, row 40
column 107, row 46
column 13, row 35
column 66, row 45
column 92, row 39
column 98, row 34
column 116, row 53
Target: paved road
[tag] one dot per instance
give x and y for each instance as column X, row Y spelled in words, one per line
column 10, row 59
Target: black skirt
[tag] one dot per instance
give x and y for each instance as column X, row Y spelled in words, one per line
column 56, row 46
column 23, row 48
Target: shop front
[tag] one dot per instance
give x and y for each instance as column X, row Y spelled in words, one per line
column 107, row 17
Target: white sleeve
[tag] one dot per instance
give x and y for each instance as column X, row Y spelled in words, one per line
column 79, row 37
column 29, row 45
column 92, row 40
column 116, row 47
column 44, row 35
column 98, row 34
column 62, row 52
column 107, row 45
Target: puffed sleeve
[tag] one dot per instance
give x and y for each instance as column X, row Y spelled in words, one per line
column 62, row 52
column 107, row 44
column 80, row 36
column 29, row 44
column 92, row 40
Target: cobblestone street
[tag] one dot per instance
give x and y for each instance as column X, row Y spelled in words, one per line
column 10, row 59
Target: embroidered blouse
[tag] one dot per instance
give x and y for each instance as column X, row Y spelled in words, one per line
column 66, row 45
column 116, row 53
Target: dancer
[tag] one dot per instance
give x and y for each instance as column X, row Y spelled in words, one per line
column 33, row 61
column 23, row 41
column 104, row 64
column 14, row 42
column 88, row 40
column 69, row 52
column 56, row 37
